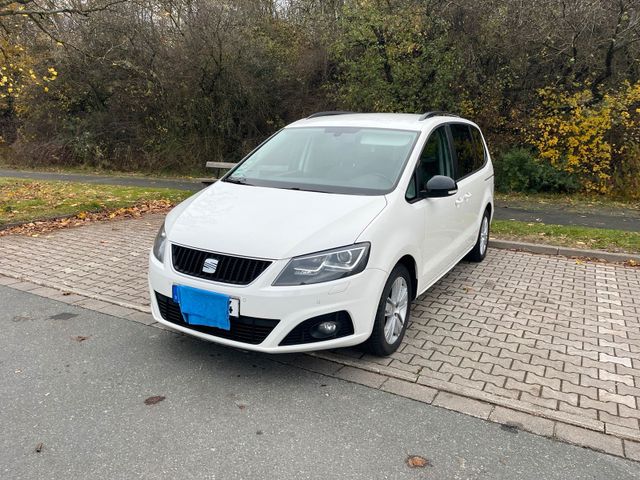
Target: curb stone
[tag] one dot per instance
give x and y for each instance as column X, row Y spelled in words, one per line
column 564, row 251
column 507, row 412
column 77, row 291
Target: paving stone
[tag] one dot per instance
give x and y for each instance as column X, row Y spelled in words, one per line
column 627, row 400
column 25, row 286
column 580, row 411
column 362, row 377
column 613, row 359
column 609, row 407
column 462, row 372
column 523, row 387
column 552, row 383
column 117, row 311
column 409, row 390
column 589, row 438
column 632, row 450
column 314, row 364
column 7, row 280
column 427, row 375
column 622, row 432
column 500, row 391
column 550, row 403
column 524, row 421
column 614, row 377
column 600, row 384
column 466, row 405
column 569, row 387
column 570, row 398
column 628, row 422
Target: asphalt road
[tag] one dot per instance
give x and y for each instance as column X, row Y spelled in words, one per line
column 75, row 385
column 620, row 220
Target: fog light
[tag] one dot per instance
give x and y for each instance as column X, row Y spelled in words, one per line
column 324, row 329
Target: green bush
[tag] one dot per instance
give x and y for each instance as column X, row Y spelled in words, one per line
column 626, row 175
column 517, row 170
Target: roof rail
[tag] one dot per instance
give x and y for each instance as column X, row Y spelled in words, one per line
column 436, row 113
column 328, row 114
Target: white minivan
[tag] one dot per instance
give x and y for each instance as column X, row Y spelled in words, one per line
column 324, row 234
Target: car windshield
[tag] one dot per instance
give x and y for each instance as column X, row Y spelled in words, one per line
column 348, row 160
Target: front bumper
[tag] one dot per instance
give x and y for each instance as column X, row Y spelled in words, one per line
column 357, row 295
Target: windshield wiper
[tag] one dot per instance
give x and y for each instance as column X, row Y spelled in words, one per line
column 237, row 180
column 300, row 189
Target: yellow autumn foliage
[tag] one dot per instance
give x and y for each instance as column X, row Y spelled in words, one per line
column 18, row 72
column 584, row 136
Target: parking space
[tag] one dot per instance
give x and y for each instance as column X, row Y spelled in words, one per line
column 554, row 337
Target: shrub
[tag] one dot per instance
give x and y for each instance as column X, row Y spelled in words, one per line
column 518, row 170
column 585, row 134
column 626, row 176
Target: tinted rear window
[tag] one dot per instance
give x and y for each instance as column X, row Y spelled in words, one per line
column 469, row 151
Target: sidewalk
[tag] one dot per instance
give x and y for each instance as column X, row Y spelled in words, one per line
column 549, row 343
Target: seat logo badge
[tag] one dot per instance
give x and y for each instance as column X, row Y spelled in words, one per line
column 210, row 265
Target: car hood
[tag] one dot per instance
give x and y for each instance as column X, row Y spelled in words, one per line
column 270, row 223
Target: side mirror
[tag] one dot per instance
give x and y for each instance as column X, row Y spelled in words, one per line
column 440, row 186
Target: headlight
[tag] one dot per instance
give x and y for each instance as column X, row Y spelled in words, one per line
column 159, row 243
column 325, row 266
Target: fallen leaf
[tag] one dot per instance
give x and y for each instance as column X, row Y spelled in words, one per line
column 153, row 400
column 39, row 447
column 135, row 211
column 79, row 338
column 416, row 461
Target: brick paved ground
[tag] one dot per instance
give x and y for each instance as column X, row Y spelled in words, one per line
column 557, row 340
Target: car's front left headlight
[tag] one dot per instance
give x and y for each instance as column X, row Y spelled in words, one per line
column 325, row 266
column 159, row 243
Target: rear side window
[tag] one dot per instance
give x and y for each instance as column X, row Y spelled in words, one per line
column 469, row 149
column 479, row 146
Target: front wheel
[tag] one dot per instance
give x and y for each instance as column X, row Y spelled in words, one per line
column 392, row 316
column 480, row 248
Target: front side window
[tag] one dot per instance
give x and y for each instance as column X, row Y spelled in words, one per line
column 469, row 153
column 348, row 160
column 435, row 159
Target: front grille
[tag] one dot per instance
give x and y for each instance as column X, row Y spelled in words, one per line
column 301, row 333
column 243, row 329
column 235, row 270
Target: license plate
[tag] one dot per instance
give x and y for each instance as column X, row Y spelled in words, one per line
column 234, row 307
column 204, row 307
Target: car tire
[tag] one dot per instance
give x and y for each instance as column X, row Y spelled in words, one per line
column 392, row 316
column 479, row 250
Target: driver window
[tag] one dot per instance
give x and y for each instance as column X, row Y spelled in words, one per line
column 435, row 158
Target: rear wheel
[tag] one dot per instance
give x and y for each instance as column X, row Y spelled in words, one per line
column 480, row 248
column 392, row 316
